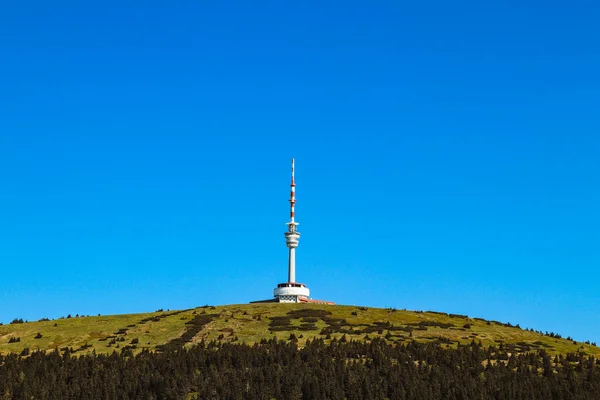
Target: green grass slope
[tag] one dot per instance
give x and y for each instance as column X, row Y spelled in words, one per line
column 249, row 323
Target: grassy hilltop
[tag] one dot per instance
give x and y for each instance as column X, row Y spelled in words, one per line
column 250, row 323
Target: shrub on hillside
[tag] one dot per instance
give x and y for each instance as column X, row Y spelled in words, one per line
column 308, row 312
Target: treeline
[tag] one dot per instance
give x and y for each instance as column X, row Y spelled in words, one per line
column 273, row 369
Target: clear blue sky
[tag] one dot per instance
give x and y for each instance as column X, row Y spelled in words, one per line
column 447, row 156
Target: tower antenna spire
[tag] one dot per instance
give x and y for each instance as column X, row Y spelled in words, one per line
column 292, row 195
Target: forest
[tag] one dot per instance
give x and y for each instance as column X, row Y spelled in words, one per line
column 280, row 369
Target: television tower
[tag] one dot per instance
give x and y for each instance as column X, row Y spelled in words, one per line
column 292, row 235
column 292, row 291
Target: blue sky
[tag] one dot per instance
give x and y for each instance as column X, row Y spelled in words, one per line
column 446, row 156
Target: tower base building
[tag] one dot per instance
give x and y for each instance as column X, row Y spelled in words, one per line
column 291, row 292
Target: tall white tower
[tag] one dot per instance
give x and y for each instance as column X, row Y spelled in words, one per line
column 291, row 291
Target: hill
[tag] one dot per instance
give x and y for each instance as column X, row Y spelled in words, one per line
column 251, row 323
